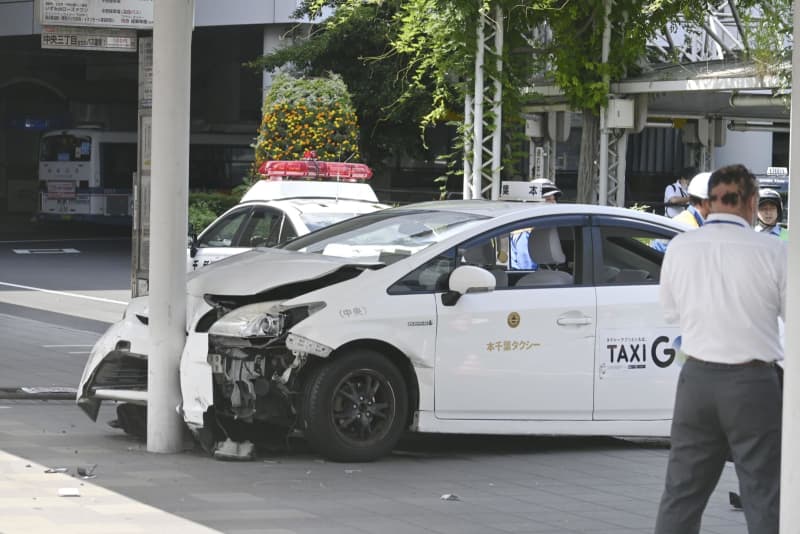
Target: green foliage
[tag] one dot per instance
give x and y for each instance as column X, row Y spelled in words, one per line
column 303, row 114
column 354, row 43
column 769, row 38
column 205, row 207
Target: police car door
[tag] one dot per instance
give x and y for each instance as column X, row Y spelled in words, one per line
column 635, row 368
column 221, row 239
column 525, row 350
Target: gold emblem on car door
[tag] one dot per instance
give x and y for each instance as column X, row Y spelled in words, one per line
column 513, row 319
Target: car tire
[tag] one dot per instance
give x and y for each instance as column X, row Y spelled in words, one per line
column 355, row 407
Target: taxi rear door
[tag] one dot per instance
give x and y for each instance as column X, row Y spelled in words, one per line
column 635, row 363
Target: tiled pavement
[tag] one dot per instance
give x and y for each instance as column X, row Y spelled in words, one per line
column 526, row 485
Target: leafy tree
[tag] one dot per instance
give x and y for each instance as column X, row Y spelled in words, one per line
column 308, row 114
column 436, row 40
column 355, row 44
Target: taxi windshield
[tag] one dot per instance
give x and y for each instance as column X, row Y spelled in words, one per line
column 385, row 236
column 315, row 221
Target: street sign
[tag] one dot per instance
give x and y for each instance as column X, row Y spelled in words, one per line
column 145, row 73
column 134, row 14
column 74, row 38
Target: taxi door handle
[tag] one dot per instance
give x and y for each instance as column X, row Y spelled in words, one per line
column 574, row 321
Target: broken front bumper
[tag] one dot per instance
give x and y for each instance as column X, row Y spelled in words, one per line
column 117, row 365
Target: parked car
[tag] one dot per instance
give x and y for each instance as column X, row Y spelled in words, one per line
column 410, row 318
column 277, row 209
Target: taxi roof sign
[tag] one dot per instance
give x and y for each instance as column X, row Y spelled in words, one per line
column 777, row 171
column 520, row 191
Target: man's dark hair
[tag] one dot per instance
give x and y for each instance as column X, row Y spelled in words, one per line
column 688, row 172
column 733, row 174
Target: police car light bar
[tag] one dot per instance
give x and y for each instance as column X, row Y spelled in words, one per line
column 315, row 170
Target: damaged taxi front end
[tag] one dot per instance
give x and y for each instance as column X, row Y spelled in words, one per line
column 240, row 365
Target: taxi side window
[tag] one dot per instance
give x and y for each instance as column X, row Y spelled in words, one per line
column 222, row 234
column 429, row 277
column 630, row 255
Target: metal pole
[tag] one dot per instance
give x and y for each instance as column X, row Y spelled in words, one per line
column 468, row 145
column 602, row 186
column 477, row 116
column 790, row 460
column 497, row 133
column 172, row 53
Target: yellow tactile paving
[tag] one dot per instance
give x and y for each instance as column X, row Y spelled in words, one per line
column 30, row 504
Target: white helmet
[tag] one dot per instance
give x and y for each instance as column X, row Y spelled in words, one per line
column 698, row 187
column 542, row 188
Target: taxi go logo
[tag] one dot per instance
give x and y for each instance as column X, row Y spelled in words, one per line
column 513, row 319
column 633, row 352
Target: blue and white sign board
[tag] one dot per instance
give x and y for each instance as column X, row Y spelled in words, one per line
column 132, row 14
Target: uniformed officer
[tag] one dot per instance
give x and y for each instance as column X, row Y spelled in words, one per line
column 770, row 213
column 544, row 191
column 699, row 206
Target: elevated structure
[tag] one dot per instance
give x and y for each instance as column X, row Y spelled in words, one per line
column 708, row 91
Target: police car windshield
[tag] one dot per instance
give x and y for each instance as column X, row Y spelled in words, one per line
column 392, row 234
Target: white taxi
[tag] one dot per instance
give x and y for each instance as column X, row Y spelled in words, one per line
column 295, row 198
column 412, row 318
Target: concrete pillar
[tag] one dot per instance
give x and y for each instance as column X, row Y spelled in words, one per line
column 790, row 461
column 169, row 198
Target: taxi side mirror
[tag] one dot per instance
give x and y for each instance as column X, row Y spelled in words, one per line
column 468, row 279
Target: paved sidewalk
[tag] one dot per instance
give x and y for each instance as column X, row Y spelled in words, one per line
column 540, row 485
column 30, row 504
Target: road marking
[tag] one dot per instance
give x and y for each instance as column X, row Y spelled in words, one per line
column 62, row 346
column 81, row 352
column 64, row 293
column 46, row 251
column 70, row 239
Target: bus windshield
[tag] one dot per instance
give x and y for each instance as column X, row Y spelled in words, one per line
column 66, row 147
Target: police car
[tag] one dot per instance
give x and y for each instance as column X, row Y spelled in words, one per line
column 411, row 318
column 294, row 198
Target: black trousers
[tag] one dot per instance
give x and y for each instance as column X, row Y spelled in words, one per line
column 719, row 408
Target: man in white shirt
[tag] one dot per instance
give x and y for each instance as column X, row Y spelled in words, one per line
column 676, row 198
column 725, row 285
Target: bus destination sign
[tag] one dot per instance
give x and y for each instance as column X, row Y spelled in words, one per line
column 133, row 14
column 108, row 39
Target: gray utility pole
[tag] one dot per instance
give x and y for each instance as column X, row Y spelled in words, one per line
column 790, row 461
column 169, row 199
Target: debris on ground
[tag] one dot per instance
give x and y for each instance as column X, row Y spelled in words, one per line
column 450, row 497
column 56, row 470
column 69, row 492
column 86, row 472
column 234, row 450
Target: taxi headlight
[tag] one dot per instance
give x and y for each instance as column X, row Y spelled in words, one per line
column 255, row 320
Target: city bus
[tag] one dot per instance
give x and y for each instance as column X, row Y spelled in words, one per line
column 87, row 174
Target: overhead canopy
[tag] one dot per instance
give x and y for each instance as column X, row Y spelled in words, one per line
column 687, row 91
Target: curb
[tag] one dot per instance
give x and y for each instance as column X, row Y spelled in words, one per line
column 38, row 393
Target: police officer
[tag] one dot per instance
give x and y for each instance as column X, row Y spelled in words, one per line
column 699, row 206
column 543, row 191
column 770, row 213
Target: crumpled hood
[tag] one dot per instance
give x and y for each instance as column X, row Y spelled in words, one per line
column 260, row 269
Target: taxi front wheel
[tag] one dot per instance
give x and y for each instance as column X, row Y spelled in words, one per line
column 355, row 407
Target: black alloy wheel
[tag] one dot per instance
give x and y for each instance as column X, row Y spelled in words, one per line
column 356, row 407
